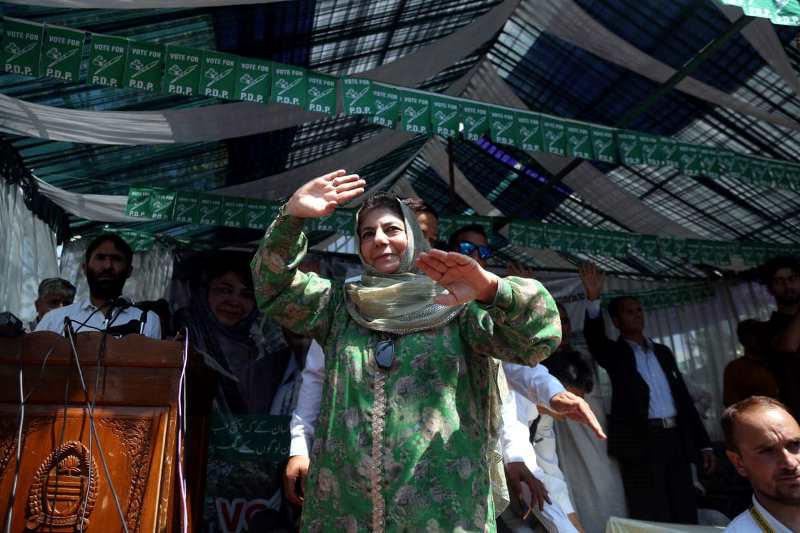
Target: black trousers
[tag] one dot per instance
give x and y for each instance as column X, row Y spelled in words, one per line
column 659, row 486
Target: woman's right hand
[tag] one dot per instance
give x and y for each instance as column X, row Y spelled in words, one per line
column 320, row 196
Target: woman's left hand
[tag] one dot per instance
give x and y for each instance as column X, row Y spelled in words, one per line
column 461, row 275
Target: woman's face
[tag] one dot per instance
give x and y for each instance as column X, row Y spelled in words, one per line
column 383, row 239
column 230, row 300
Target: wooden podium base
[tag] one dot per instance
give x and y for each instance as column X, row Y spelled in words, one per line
column 63, row 484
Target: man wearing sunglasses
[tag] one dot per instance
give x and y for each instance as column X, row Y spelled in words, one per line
column 536, row 385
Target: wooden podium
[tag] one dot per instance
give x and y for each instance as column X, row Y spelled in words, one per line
column 62, row 479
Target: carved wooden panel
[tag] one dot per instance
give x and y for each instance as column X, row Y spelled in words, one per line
column 55, row 480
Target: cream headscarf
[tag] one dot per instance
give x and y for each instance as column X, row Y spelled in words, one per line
column 401, row 302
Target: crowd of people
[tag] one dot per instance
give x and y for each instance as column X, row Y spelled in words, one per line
column 431, row 394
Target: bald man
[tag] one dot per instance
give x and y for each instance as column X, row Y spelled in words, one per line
column 763, row 441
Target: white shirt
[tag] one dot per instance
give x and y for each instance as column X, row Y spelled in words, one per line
column 304, row 417
column 84, row 312
column 540, row 457
column 532, row 382
column 745, row 523
column 662, row 405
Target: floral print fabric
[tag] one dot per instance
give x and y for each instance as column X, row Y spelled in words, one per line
column 403, row 449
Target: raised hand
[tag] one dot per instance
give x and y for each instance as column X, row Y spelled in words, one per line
column 593, row 279
column 461, row 275
column 575, row 408
column 320, row 196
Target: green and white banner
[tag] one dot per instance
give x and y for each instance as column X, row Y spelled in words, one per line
column 107, row 60
column 289, row 85
column 785, row 12
column 34, row 50
column 22, row 46
column 321, row 93
column 218, row 75
column 62, row 53
column 144, row 63
column 217, row 210
column 665, row 297
column 386, row 100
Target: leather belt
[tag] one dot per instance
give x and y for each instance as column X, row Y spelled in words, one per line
column 663, row 423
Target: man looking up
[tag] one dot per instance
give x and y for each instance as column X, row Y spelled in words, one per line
column 654, row 429
column 107, row 265
column 763, row 441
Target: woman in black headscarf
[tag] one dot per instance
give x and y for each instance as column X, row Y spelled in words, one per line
column 251, row 363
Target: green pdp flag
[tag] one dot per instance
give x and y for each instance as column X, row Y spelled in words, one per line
column 321, row 93
column 604, row 144
column 218, row 76
column 475, row 118
column 449, row 224
column 647, row 245
column 289, row 85
column 143, row 66
column 386, row 105
column 444, row 116
column 107, row 60
column 741, row 167
column 651, row 150
column 340, row 221
column 253, row 81
column 517, row 233
column 357, row 96
column 725, row 160
column 759, row 171
column 672, row 247
column 260, row 214
column 554, row 135
column 162, row 204
column 415, row 113
column 139, row 202
column 690, row 159
column 529, row 126
column 234, row 212
column 503, row 126
column 187, row 208
column 670, row 152
column 22, row 45
column 709, row 162
column 211, row 209
column 630, row 148
column 579, row 140
column 182, row 71
column 62, row 52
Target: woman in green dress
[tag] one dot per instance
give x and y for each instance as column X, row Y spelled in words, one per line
column 410, row 402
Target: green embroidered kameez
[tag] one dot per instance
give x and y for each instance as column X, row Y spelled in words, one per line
column 404, row 449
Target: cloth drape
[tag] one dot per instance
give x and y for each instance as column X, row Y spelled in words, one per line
column 27, row 253
column 225, row 121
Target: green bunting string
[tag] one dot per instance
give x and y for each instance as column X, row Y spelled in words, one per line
column 32, row 49
column 664, row 298
column 229, row 211
column 785, row 12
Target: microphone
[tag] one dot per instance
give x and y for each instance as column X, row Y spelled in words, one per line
column 120, row 303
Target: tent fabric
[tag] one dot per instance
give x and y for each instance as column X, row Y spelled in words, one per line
column 592, row 184
column 27, row 253
column 567, row 20
column 761, row 36
column 137, row 4
column 227, row 121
